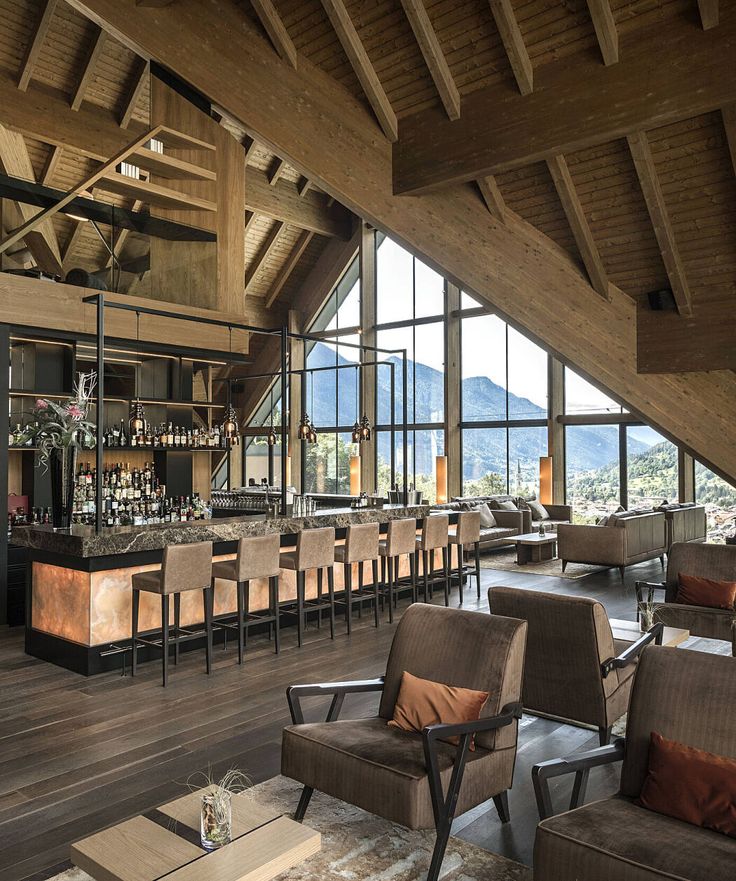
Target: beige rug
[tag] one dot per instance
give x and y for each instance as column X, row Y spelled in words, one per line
column 357, row 846
column 507, row 562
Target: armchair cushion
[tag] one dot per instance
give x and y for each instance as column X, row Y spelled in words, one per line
column 503, row 505
column 539, row 512
column 615, row 840
column 693, row 590
column 487, row 520
column 383, row 770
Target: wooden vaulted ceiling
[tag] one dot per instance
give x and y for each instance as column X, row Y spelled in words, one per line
column 48, row 45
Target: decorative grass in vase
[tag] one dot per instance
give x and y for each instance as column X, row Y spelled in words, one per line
column 216, row 826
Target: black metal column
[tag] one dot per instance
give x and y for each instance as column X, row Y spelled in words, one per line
column 4, row 405
column 284, row 411
column 404, row 431
column 100, row 413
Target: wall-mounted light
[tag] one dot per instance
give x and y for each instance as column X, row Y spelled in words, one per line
column 355, row 475
column 545, row 480
column 441, row 478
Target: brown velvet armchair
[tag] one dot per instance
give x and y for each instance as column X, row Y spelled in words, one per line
column 708, row 561
column 418, row 780
column 685, row 696
column 574, row 670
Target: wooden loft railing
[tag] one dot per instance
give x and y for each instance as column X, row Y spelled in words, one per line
column 107, row 179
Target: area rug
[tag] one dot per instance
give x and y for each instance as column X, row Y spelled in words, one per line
column 507, row 562
column 357, row 846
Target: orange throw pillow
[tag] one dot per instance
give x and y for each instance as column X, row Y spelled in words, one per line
column 422, row 702
column 691, row 785
column 695, row 591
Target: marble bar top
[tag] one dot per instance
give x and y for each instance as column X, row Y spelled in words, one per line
column 82, row 541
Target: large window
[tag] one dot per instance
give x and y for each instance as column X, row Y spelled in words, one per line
column 719, row 498
column 593, row 476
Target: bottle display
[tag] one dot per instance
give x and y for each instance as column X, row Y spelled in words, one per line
column 168, row 436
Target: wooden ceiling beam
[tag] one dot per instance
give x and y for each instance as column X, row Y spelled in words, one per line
column 433, row 55
column 277, row 169
column 71, row 245
column 289, row 266
column 361, row 63
column 272, row 239
column 673, row 72
column 579, row 225
column 140, row 75
column 50, row 166
column 728, row 115
column 96, row 49
column 605, row 29
column 495, row 202
column 250, row 146
column 274, row 27
column 513, row 42
column 34, row 47
column 708, row 13
column 649, row 181
column 250, row 219
column 304, row 186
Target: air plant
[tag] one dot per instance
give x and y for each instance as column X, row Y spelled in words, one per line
column 216, row 823
column 647, row 608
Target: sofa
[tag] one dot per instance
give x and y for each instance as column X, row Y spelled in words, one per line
column 509, row 524
column 627, row 537
column 685, row 522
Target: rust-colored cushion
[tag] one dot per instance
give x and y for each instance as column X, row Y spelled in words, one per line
column 422, row 702
column 690, row 784
column 692, row 590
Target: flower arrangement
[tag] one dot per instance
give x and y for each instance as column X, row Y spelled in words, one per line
column 63, row 425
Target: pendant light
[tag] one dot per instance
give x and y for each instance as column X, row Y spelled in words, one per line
column 230, row 426
column 356, row 427
column 137, row 417
column 311, row 430
column 271, row 438
column 365, row 429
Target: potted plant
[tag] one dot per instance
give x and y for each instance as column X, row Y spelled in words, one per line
column 60, row 429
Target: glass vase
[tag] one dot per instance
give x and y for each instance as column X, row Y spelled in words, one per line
column 216, row 820
column 62, row 468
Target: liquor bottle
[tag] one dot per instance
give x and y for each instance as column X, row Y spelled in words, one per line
column 170, row 436
column 123, row 436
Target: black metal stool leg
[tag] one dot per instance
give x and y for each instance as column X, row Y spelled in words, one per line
column 383, row 581
column 240, row 588
column 319, row 597
column 376, row 590
column 300, row 576
column 177, row 622
column 360, row 589
column 209, row 602
column 246, row 606
column 446, row 573
column 348, row 579
column 459, row 569
column 331, row 595
column 390, row 566
column 477, row 567
column 425, row 565
column 413, row 576
column 165, row 636
column 275, row 607
column 134, row 632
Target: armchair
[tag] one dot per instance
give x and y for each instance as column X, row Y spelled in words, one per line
column 685, row 696
column 418, row 780
column 574, row 669
column 708, row 561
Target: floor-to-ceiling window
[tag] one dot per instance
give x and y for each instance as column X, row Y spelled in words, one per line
column 719, row 498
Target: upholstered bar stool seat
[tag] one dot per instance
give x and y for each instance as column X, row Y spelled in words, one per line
column 361, row 546
column 257, row 557
column 435, row 535
column 466, row 535
column 184, row 567
column 315, row 550
column 400, row 541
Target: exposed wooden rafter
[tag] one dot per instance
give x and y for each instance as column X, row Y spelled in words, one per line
column 708, row 13
column 250, row 219
column 274, row 27
column 34, row 47
column 122, row 237
column 605, row 29
column 577, row 103
column 579, row 225
column 140, row 76
column 250, row 146
column 71, row 244
column 649, row 181
column 433, row 55
column 289, row 266
column 304, row 186
column 728, row 114
column 492, row 197
column 277, row 169
column 52, row 162
column 364, row 70
column 508, row 28
column 277, row 230
column 88, row 72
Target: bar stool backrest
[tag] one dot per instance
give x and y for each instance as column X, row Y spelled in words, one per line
column 435, row 530
column 361, row 542
column 401, row 537
column 186, row 567
column 258, row 556
column 468, row 527
column 315, row 549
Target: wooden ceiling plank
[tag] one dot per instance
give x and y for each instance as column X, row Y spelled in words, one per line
column 577, row 103
column 649, row 181
column 274, row 27
column 361, row 63
column 277, row 230
column 278, row 168
column 495, row 202
column 52, row 162
column 142, row 71
column 289, row 266
column 605, row 29
column 508, row 28
column 728, row 115
column 96, row 49
column 587, row 247
column 708, row 13
column 71, row 244
column 34, row 47
column 433, row 56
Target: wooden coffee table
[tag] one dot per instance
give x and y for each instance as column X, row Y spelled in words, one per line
column 630, row 631
column 533, row 547
column 165, row 845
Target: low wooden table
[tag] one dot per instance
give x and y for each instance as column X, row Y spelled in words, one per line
column 630, row 631
column 165, row 844
column 533, row 547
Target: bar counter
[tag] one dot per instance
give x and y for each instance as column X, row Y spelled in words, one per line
column 78, row 585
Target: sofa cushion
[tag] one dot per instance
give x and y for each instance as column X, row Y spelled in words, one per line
column 539, row 512
column 502, row 505
column 487, row 520
column 614, row 839
column 495, row 532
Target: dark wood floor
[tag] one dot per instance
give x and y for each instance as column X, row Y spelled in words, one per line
column 79, row 754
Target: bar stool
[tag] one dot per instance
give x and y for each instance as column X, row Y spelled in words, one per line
column 258, row 557
column 315, row 549
column 466, row 534
column 361, row 546
column 435, row 529
column 184, row 567
column 400, row 541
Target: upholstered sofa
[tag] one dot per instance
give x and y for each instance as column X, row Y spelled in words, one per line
column 508, row 523
column 684, row 523
column 530, row 521
column 626, row 539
